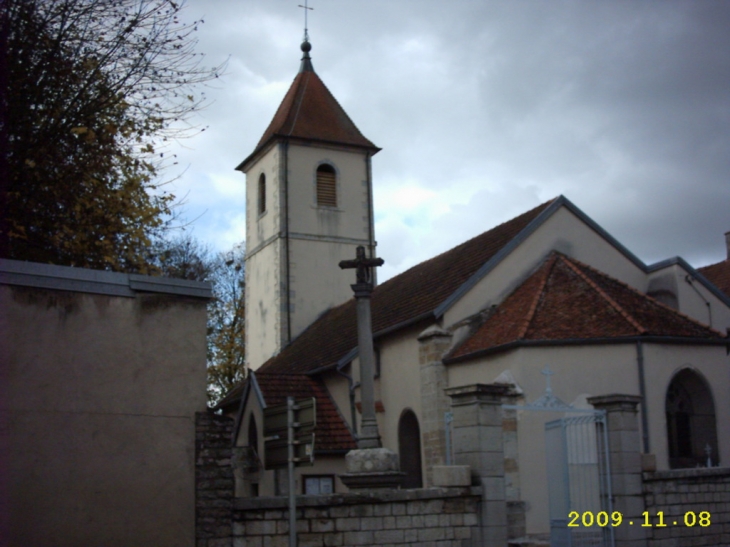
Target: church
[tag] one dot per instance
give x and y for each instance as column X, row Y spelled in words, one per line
column 548, row 304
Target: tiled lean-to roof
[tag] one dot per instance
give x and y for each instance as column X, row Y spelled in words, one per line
column 568, row 300
column 331, row 432
column 719, row 275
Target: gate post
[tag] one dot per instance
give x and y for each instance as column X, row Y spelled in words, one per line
column 624, row 446
column 478, row 443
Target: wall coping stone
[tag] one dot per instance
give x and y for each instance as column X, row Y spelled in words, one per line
column 350, row 498
column 691, row 473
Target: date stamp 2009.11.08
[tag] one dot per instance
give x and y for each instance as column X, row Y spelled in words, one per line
column 602, row 519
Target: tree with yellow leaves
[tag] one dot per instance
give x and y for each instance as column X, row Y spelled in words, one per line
column 91, row 90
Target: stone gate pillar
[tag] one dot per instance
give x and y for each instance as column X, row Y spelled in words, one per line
column 624, row 446
column 432, row 344
column 478, row 443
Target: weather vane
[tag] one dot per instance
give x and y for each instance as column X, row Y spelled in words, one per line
column 306, row 10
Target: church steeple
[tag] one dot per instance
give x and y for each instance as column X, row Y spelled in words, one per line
column 309, row 205
column 309, row 112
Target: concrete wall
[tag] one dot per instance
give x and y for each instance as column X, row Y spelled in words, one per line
column 100, row 396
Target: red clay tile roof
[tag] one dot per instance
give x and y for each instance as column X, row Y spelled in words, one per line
column 567, row 300
column 310, row 112
column 719, row 275
column 416, row 293
column 331, row 432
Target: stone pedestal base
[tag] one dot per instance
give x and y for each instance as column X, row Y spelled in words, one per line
column 451, row 475
column 372, row 468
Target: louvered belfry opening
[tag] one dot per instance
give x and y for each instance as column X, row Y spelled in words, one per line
column 262, row 194
column 326, row 186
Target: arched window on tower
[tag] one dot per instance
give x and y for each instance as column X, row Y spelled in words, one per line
column 326, row 186
column 691, row 431
column 262, row 194
column 409, row 448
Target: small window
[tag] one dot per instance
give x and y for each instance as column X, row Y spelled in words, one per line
column 326, row 186
column 315, row 485
column 262, row 194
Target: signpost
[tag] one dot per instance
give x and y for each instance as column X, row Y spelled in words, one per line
column 289, row 442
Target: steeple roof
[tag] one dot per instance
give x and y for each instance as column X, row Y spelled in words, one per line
column 310, row 112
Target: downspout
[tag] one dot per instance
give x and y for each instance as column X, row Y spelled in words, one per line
column 642, row 392
column 689, row 281
column 286, row 240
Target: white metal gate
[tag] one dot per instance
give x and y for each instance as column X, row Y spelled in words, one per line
column 579, row 482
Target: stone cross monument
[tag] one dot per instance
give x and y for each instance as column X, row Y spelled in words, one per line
column 370, row 466
column 369, row 435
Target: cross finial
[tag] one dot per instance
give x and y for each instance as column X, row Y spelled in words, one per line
column 548, row 373
column 307, row 9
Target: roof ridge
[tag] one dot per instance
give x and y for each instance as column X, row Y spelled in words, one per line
column 300, row 96
column 548, row 268
column 649, row 297
column 626, row 315
column 545, row 204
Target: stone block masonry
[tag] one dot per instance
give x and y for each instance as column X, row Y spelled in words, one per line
column 432, row 517
column 682, row 492
column 213, row 480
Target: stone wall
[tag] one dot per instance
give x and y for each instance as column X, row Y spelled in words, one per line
column 213, row 480
column 436, row 517
column 680, row 491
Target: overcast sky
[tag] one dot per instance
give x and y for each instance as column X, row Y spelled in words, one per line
column 485, row 110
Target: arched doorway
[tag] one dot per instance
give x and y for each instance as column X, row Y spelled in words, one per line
column 409, row 448
column 690, row 412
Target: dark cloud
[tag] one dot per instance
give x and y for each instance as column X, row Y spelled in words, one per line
column 487, row 109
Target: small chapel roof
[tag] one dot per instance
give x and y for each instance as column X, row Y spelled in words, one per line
column 310, row 112
column 331, row 431
column 566, row 300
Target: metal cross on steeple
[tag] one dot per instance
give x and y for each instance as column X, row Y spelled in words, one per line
column 306, row 10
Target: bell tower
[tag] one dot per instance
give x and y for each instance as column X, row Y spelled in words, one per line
column 309, row 205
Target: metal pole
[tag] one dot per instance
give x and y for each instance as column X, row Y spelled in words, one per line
column 292, row 486
column 448, row 418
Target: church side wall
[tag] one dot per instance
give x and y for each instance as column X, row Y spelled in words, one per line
column 399, row 385
column 98, row 406
column 579, row 372
column 563, row 232
column 661, row 363
column 717, row 314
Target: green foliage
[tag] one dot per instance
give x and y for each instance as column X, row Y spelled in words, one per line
column 93, row 87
